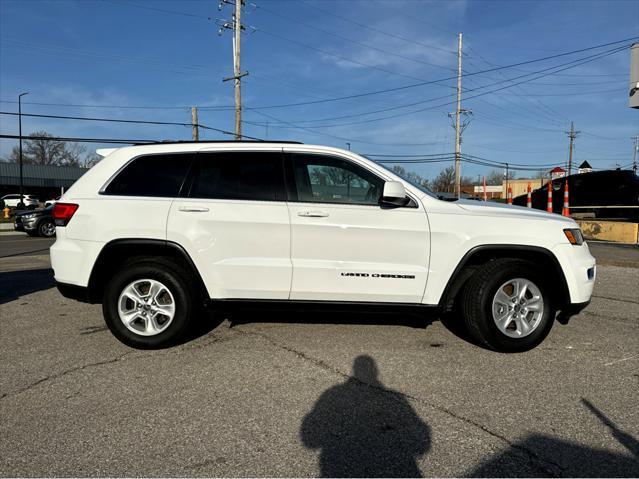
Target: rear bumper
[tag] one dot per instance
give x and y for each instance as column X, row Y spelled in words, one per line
column 72, row 260
column 72, row 291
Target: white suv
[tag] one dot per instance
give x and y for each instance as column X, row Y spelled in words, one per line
column 29, row 201
column 155, row 232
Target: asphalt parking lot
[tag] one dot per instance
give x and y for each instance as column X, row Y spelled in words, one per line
column 313, row 395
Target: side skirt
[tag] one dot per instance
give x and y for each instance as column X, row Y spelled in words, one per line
column 320, row 306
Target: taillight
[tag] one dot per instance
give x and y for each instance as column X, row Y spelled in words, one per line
column 63, row 212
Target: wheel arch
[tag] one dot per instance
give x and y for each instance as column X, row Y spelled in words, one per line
column 115, row 252
column 482, row 254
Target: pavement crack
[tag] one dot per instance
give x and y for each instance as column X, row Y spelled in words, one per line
column 548, row 468
column 615, row 299
column 64, row 373
column 132, row 354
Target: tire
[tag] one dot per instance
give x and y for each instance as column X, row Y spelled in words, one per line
column 482, row 306
column 47, row 229
column 140, row 274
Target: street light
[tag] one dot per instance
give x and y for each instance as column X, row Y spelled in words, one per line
column 20, row 134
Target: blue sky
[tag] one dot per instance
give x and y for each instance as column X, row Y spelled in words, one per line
column 168, row 55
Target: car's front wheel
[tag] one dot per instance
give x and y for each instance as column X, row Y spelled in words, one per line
column 148, row 304
column 507, row 307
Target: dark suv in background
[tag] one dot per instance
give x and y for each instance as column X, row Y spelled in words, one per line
column 36, row 223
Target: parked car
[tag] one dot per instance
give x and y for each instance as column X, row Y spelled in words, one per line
column 51, row 202
column 611, row 194
column 13, row 200
column 158, row 231
column 36, row 223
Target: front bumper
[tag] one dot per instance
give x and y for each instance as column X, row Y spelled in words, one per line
column 26, row 225
column 571, row 310
column 579, row 269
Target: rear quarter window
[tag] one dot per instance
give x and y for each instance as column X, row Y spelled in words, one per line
column 151, row 175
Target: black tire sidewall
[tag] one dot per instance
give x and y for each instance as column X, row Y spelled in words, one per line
column 487, row 327
column 173, row 279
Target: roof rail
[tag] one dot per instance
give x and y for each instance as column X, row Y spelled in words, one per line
column 171, row 142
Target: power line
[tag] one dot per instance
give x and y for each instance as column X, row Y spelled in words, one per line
column 377, row 30
column 356, row 42
column 282, row 37
column 401, row 87
column 124, row 107
column 346, row 59
column 414, row 85
column 547, row 116
column 84, row 118
column 575, row 63
column 579, row 61
column 117, row 120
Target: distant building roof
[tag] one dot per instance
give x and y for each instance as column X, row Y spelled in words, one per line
column 39, row 175
column 557, row 169
column 585, row 164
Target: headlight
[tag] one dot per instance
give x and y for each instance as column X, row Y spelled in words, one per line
column 29, row 216
column 574, row 236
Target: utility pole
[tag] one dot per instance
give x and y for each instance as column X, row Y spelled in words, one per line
column 236, row 26
column 457, row 125
column 507, row 179
column 572, row 134
column 635, row 140
column 195, row 123
column 20, row 135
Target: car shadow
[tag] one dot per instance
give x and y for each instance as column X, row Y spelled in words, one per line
column 361, row 428
column 543, row 455
column 15, row 284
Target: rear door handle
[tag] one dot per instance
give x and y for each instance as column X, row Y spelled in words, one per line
column 193, row 209
column 313, row 214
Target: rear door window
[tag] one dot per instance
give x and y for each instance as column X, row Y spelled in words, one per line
column 256, row 176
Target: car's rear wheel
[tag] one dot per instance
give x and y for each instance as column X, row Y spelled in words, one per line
column 507, row 307
column 149, row 304
column 47, row 229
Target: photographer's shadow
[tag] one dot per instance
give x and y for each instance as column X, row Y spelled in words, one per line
column 363, row 429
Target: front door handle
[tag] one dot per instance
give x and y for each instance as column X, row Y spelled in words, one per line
column 313, row 214
column 193, row 209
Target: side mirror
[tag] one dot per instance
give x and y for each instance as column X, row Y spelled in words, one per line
column 394, row 194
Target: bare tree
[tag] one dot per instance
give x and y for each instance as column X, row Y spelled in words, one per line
column 497, row 177
column 411, row 176
column 91, row 159
column 43, row 149
column 73, row 154
column 445, row 180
